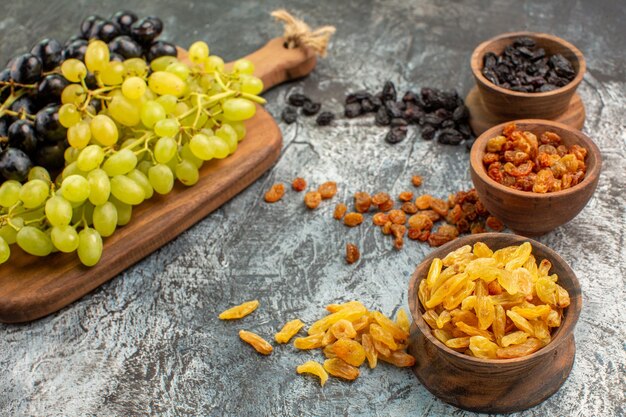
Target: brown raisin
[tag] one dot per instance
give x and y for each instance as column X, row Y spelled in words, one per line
column 405, row 196
column 275, row 193
column 386, row 229
column 463, row 226
column 454, row 214
column 353, row 219
column 490, row 158
column 476, row 228
column 397, row 216
column 386, row 206
column 398, row 242
column 362, row 201
column 420, row 222
column 312, row 199
column 328, row 189
column 481, row 210
column 494, row 224
column 418, row 234
column 379, row 219
column 398, row 230
column 380, row 198
column 340, row 210
column 550, row 138
column 431, row 214
column 352, row 253
column 416, row 180
column 423, row 202
column 444, row 234
column 440, row 206
column 298, row 184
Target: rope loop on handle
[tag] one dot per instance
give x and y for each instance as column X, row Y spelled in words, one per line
column 298, row 34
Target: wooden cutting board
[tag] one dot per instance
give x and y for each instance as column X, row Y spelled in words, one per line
column 32, row 287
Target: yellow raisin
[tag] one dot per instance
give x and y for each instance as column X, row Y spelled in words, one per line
column 523, row 349
column 370, row 351
column 257, row 342
column 514, row 338
column 288, row 331
column 309, row 342
column 328, row 339
column 343, row 329
column 337, row 367
column 520, row 322
column 473, row 331
column 482, row 347
column 396, row 331
column 239, row 311
column 399, row 359
column 351, row 311
column 458, row 342
column 402, row 320
column 314, row 368
column 349, row 351
column 381, row 335
column 329, row 351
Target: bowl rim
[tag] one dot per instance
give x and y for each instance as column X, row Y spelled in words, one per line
column 559, row 336
column 477, row 65
column 476, row 163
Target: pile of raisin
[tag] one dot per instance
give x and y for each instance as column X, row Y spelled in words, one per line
column 525, row 68
column 308, row 108
column 441, row 115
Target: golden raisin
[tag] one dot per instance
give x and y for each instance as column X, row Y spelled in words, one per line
column 298, row 184
column 339, row 368
column 275, row 193
column 432, row 215
column 239, row 311
column 349, row 351
column 309, row 342
column 397, row 216
column 370, row 351
column 379, row 219
column 352, row 253
column 380, row 198
column 314, row 368
column 420, row 222
column 257, row 342
column 288, row 331
column 399, row 359
column 353, row 219
column 386, row 206
column 439, row 206
column 340, row 210
column 416, row 180
column 343, row 329
column 386, row 229
column 409, row 208
column 423, row 202
column 398, row 230
column 328, row 189
column 362, row 201
column 312, row 199
column 405, row 196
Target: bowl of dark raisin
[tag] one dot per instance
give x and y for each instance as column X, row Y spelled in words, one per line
column 527, row 75
column 534, row 175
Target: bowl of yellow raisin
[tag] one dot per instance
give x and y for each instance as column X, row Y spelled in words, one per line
column 493, row 321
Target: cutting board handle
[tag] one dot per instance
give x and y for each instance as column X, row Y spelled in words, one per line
column 275, row 64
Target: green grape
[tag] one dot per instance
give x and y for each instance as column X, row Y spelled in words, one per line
column 251, row 84
column 73, row 93
column 34, row 215
column 9, row 193
column 167, row 127
column 96, row 56
column 73, row 70
column 162, row 82
column 105, row 219
column 161, row 178
column 39, row 173
column 133, row 88
column 69, row 115
column 191, row 121
column 168, row 101
column 34, row 193
column 90, row 158
column 179, row 69
column 70, row 154
column 162, row 62
column 187, row 153
column 89, row 246
column 180, row 108
column 104, row 130
column 79, row 135
column 64, row 238
column 237, row 109
column 112, row 73
column 187, row 172
column 5, row 251
column 120, row 163
column 219, row 146
column 124, row 211
column 144, row 166
column 71, row 169
column 75, row 188
column 140, row 178
column 151, row 113
column 8, row 233
column 99, row 187
column 244, row 66
column 126, row 190
column 58, row 211
column 240, row 128
column 198, row 52
column 135, row 67
column 228, row 133
column 165, row 149
column 214, row 63
column 34, row 241
column 125, row 111
column 200, row 146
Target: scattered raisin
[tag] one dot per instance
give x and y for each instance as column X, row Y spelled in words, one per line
column 352, row 110
column 362, row 202
column 432, row 214
column 353, row 219
column 298, row 184
column 352, row 253
column 275, row 193
column 396, row 134
column 257, row 342
column 340, row 210
column 386, row 206
column 325, row 118
column 386, row 229
column 423, row 202
column 494, row 224
column 298, row 99
column 310, row 108
column 409, row 208
column 405, row 196
column 439, row 206
column 397, row 216
column 380, row 198
column 328, row 189
column 289, row 115
column 312, row 199
column 379, row 219
column 444, row 234
column 416, row 180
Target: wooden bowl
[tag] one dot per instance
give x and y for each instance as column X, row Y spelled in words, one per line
column 494, row 385
column 525, row 212
column 510, row 104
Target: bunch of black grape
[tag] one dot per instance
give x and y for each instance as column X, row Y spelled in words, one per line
column 31, row 86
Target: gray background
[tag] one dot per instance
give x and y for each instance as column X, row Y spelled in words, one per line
column 150, row 342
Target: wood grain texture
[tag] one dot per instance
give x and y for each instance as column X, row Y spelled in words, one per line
column 494, row 385
column 32, row 287
column 510, row 104
column 528, row 213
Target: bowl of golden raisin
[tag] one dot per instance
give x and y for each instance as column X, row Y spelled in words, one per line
column 493, row 320
column 534, row 175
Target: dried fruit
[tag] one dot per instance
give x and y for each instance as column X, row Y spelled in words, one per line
column 370, row 352
column 298, row 99
column 310, row 108
column 409, row 208
column 289, row 115
column 328, row 189
column 340, row 210
column 289, row 330
column 416, row 180
column 353, row 219
column 310, row 342
column 399, row 359
column 325, row 118
column 397, row 216
column 405, row 196
column 380, row 199
column 349, row 351
column 352, row 253
column 298, row 184
column 379, row 219
column 239, row 311
column 362, row 202
column 314, row 368
column 343, row 329
column 275, row 193
column 312, row 199
column 257, row 342
column 494, row 224
column 339, row 368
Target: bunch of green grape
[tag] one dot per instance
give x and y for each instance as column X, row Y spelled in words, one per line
column 144, row 126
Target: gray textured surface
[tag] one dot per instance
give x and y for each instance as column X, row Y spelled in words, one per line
column 149, row 341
